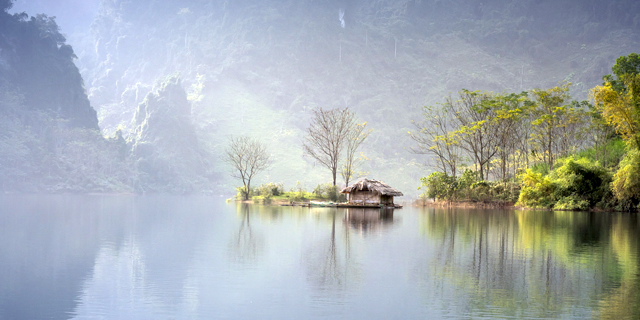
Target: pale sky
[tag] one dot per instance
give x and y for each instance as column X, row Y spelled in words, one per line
column 71, row 15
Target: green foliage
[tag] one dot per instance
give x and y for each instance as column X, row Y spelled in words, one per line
column 619, row 99
column 582, row 180
column 571, row 203
column 243, row 193
column 626, row 181
column 298, row 193
column 269, row 190
column 439, row 186
column 574, row 184
column 468, row 187
column 537, row 190
column 610, row 154
column 541, row 168
column 330, row 192
column 625, row 66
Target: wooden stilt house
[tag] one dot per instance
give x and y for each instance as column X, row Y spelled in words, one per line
column 367, row 192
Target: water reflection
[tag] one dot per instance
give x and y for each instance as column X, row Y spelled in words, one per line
column 198, row 258
column 366, row 220
column 516, row 260
column 47, row 248
column 331, row 265
column 247, row 244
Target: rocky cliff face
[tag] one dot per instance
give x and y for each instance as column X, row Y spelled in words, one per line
column 49, row 135
column 36, row 62
column 165, row 146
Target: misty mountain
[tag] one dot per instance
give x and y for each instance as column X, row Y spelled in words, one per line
column 165, row 147
column 37, row 64
column 258, row 66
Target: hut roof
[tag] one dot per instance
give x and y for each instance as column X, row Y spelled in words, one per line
column 372, row 185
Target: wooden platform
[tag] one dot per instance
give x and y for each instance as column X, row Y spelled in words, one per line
column 350, row 205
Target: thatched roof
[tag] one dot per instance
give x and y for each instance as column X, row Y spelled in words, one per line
column 372, row 185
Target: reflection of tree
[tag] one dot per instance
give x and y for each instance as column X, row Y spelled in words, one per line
column 247, row 244
column 331, row 266
column 623, row 302
column 518, row 259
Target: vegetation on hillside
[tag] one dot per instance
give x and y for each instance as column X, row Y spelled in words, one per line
column 538, row 147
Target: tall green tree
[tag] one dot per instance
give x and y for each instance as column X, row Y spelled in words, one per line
column 549, row 116
column 619, row 98
column 475, row 116
column 512, row 115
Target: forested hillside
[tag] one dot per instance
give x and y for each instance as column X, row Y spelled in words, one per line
column 49, row 135
column 257, row 67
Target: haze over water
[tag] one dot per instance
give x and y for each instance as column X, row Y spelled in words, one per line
column 159, row 257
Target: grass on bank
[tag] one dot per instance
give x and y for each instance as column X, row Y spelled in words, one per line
column 269, row 192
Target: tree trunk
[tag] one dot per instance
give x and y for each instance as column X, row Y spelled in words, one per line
column 247, row 190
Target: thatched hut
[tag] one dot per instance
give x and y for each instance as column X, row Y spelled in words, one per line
column 371, row 192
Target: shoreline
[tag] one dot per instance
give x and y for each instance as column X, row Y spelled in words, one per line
column 500, row 205
column 467, row 204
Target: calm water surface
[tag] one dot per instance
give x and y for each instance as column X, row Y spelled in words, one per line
column 159, row 257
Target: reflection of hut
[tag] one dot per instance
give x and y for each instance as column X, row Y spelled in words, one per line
column 369, row 219
column 368, row 192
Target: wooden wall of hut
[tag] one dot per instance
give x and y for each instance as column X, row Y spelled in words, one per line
column 364, row 197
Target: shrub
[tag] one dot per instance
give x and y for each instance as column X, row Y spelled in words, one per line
column 242, row 191
column 298, row 193
column 322, row 190
column 570, row 203
column 439, row 186
column 537, row 190
column 626, row 181
column 574, row 184
column 269, row 190
column 582, row 180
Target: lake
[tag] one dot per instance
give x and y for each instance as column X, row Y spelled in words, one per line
column 173, row 257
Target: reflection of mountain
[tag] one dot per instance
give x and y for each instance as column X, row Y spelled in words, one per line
column 150, row 274
column 107, row 257
column 366, row 220
column 48, row 246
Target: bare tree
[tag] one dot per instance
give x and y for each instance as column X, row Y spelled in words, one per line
column 327, row 135
column 477, row 129
column 248, row 158
column 355, row 138
column 433, row 139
